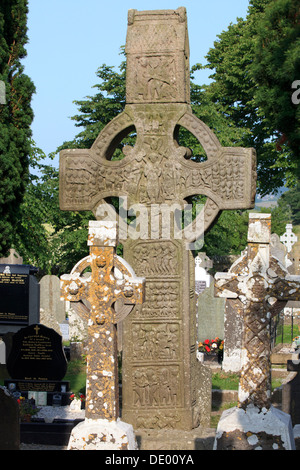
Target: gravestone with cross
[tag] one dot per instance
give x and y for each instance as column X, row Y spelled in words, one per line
column 261, row 285
column 161, row 375
column 111, row 280
column 289, row 238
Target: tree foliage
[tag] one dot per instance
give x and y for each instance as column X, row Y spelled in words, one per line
column 230, row 105
column 276, row 67
column 290, row 201
column 15, row 117
column 235, row 91
column 51, row 239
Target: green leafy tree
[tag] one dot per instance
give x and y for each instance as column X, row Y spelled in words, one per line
column 98, row 110
column 15, row 117
column 233, row 90
column 51, row 239
column 228, row 236
column 290, row 201
column 276, row 67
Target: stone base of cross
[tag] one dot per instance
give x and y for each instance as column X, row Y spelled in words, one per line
column 112, row 280
column 263, row 286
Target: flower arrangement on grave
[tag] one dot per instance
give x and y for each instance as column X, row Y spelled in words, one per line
column 77, row 396
column 296, row 342
column 27, row 408
column 212, row 347
column 77, row 401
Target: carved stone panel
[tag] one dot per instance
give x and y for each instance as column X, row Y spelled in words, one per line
column 160, row 341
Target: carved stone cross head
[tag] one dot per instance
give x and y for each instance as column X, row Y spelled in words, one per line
column 111, row 279
column 158, row 170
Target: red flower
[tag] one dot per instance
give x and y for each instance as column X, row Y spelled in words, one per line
column 206, row 341
column 207, row 348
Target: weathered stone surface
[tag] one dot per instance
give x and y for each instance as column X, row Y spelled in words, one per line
column 101, row 434
column 12, row 258
column 210, row 314
column 260, row 283
column 52, row 308
column 111, row 279
column 254, row 429
column 161, row 375
column 233, row 335
column 173, row 439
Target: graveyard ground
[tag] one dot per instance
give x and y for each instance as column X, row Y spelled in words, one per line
column 224, row 386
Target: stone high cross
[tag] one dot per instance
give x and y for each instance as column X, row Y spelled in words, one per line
column 263, row 285
column 111, row 279
column 161, row 374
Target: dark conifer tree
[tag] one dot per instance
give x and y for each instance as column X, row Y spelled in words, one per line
column 15, row 117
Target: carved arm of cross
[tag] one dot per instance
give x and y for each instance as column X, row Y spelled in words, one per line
column 111, row 279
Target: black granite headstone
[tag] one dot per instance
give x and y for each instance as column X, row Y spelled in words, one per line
column 19, row 294
column 291, row 392
column 9, row 422
column 37, row 354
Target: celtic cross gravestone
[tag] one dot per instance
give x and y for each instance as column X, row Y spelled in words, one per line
column 261, row 285
column 161, row 375
column 111, row 279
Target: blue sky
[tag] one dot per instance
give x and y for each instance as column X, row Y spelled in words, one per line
column 70, row 39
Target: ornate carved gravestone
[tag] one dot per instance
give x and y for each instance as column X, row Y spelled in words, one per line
column 202, row 277
column 112, row 279
column 161, row 376
column 261, row 286
column 289, row 238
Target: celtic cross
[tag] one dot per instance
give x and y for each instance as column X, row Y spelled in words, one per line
column 111, row 279
column 262, row 285
column 159, row 388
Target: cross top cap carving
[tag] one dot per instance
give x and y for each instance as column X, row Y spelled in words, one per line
column 259, row 228
column 157, row 51
column 102, row 233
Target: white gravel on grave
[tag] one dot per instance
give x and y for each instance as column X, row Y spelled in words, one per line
column 49, row 413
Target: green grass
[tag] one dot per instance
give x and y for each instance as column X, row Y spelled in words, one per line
column 285, row 334
column 76, row 374
column 228, row 381
column 225, row 381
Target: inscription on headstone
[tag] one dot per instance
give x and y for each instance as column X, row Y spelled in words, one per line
column 37, row 354
column 19, row 293
column 14, row 293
